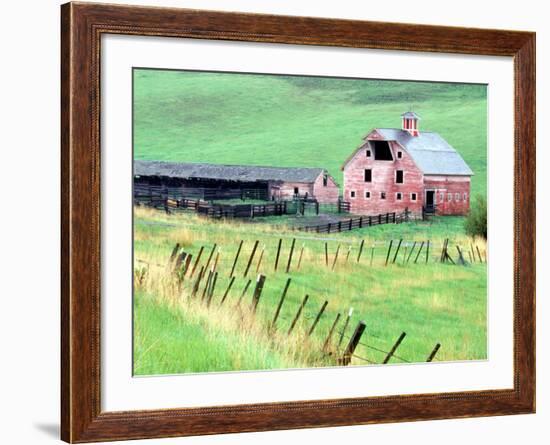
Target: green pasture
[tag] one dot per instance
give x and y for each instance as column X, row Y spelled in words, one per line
column 432, row 303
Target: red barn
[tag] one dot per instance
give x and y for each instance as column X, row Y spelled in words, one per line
column 394, row 169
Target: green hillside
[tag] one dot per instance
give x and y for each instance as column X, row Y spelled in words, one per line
column 295, row 121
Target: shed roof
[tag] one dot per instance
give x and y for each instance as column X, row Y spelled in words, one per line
column 431, row 153
column 242, row 173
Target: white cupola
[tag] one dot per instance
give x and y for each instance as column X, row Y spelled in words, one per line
column 410, row 122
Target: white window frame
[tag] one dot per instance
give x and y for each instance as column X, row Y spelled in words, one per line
column 383, row 198
column 370, row 194
column 399, row 154
column 397, row 198
column 457, row 197
column 449, row 197
column 352, row 194
column 415, row 198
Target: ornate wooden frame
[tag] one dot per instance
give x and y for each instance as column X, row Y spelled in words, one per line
column 81, row 28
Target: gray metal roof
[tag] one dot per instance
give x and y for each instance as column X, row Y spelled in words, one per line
column 432, row 153
column 243, row 173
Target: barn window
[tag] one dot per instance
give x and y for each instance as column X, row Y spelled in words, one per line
column 399, row 196
column 325, row 180
column 442, row 197
column 465, row 197
column 382, row 151
column 413, row 196
column 368, row 175
column 367, row 194
column 449, row 197
column 382, row 195
column 352, row 194
column 368, row 153
column 457, row 197
column 296, row 190
column 399, row 176
column 399, row 154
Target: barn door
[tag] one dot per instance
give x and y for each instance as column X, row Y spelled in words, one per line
column 430, row 200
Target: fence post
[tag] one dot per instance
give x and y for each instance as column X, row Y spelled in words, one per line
column 336, row 256
column 329, row 336
column 389, row 251
column 433, row 353
column 360, row 222
column 211, row 290
column 210, row 256
column 300, row 258
column 260, row 259
column 350, row 312
column 258, row 291
column 479, row 254
column 226, row 293
column 419, row 250
column 174, row 252
column 397, row 251
column 207, row 285
column 317, row 318
column 236, row 258
column 300, row 309
column 179, row 260
column 196, row 263
column 354, row 341
column 427, row 250
column 473, row 254
column 394, row 348
column 360, row 250
column 251, row 258
column 281, row 301
column 460, row 257
column 290, row 255
column 326, row 254
column 328, row 227
column 411, row 252
column 247, row 285
column 278, row 253
column 197, row 282
column 350, row 223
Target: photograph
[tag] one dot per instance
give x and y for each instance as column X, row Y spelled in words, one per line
column 288, row 221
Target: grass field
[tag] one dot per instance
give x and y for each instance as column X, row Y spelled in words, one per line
column 309, row 122
column 432, row 303
column 295, row 121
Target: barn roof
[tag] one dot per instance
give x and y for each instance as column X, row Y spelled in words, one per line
column 243, row 173
column 431, row 153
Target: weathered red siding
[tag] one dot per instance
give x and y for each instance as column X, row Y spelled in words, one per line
column 326, row 194
column 452, row 193
column 383, row 180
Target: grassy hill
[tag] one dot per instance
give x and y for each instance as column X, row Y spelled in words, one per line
column 295, row 121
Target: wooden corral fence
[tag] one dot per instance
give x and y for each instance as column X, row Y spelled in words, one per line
column 148, row 192
column 210, row 210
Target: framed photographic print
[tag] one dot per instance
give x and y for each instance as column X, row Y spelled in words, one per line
column 276, row 222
